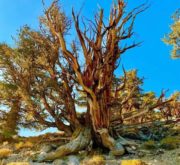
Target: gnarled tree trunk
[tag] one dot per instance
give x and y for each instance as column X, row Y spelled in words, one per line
column 80, row 140
column 101, row 52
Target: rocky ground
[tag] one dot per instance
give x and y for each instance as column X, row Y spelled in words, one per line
column 168, row 158
column 171, row 157
column 22, row 151
column 150, row 157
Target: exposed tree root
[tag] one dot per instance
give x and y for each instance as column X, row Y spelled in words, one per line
column 115, row 147
column 80, row 140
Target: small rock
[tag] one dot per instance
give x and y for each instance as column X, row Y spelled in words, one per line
column 160, row 151
column 109, row 157
column 130, row 150
column 5, row 143
column 119, row 150
column 83, row 152
column 111, row 162
column 141, row 154
column 13, row 157
column 133, row 147
column 39, row 157
column 59, row 162
column 15, row 137
column 73, row 160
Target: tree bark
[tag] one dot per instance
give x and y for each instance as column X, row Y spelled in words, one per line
column 10, row 127
column 101, row 125
column 80, row 140
column 109, row 142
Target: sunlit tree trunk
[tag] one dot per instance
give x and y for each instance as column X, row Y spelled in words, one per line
column 12, row 119
column 101, row 50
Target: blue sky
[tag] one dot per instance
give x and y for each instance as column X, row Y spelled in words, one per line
column 152, row 58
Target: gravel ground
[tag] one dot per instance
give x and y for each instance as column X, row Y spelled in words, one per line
column 171, row 157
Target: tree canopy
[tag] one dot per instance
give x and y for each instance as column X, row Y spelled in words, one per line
column 173, row 38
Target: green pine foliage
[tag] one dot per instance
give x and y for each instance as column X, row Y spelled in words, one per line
column 173, row 38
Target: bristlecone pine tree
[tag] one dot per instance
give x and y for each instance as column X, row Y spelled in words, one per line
column 44, row 76
column 173, row 38
column 101, row 49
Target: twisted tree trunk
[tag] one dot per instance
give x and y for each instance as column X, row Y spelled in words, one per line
column 101, row 53
column 80, row 140
column 95, row 128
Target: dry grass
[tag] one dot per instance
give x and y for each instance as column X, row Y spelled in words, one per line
column 150, row 144
column 21, row 145
column 132, row 162
column 5, row 152
column 170, row 142
column 94, row 160
column 18, row 163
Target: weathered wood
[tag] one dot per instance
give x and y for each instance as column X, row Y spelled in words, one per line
column 80, row 140
column 146, row 124
column 116, row 148
column 142, row 130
